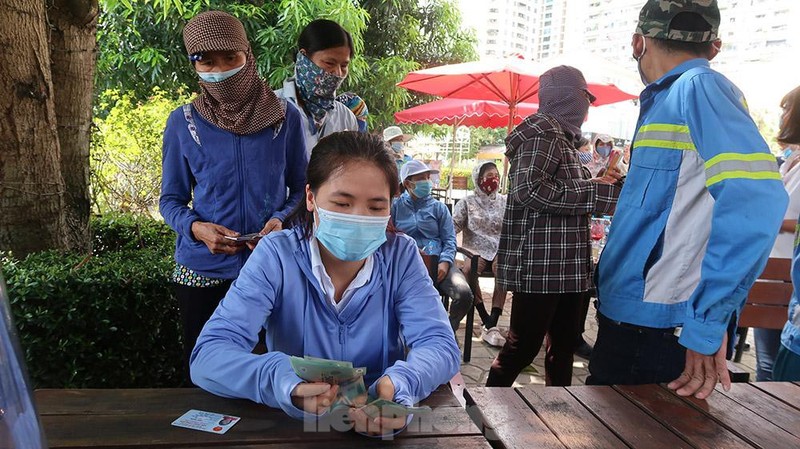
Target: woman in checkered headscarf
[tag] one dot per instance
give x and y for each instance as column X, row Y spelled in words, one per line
column 229, row 159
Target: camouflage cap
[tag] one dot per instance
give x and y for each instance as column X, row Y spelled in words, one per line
column 656, row 17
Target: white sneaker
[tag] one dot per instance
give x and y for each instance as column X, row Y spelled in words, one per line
column 493, row 337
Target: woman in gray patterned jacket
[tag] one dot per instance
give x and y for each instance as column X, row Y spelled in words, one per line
column 480, row 217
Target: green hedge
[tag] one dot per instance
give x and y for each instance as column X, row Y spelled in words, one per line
column 122, row 232
column 104, row 321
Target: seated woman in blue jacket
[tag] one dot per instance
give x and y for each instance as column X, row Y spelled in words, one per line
column 335, row 284
column 428, row 221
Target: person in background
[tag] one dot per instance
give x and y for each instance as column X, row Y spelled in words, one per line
column 768, row 341
column 357, row 106
column 585, row 152
column 321, row 65
column 394, row 136
column 417, row 214
column 626, row 154
column 582, row 347
column 700, row 210
column 233, row 189
column 544, row 256
column 340, row 284
column 787, row 362
column 480, row 217
column 603, row 145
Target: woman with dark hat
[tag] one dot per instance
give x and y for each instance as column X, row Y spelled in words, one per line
column 233, row 164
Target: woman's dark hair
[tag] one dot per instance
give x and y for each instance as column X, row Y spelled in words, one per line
column 322, row 34
column 485, row 167
column 687, row 21
column 789, row 134
column 330, row 155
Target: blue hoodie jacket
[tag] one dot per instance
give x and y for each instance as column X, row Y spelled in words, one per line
column 237, row 181
column 429, row 222
column 397, row 310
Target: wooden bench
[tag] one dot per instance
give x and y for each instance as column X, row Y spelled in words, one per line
column 767, row 302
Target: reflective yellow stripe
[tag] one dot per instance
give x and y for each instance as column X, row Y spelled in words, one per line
column 749, row 157
column 668, row 144
column 742, row 175
column 664, row 135
column 665, row 127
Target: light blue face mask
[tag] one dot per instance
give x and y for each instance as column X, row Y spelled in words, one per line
column 604, row 150
column 215, row 77
column 350, row 237
column 397, row 146
column 422, row 188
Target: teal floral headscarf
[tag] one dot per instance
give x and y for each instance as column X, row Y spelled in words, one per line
column 316, row 87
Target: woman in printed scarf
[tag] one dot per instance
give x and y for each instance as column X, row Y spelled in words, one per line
column 229, row 159
column 321, row 65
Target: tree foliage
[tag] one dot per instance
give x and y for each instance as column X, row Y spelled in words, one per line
column 126, row 150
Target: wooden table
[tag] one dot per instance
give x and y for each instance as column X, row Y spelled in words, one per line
column 140, row 418
column 763, row 415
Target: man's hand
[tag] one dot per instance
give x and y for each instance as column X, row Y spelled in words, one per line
column 379, row 425
column 701, row 373
column 213, row 235
column 443, row 268
column 314, row 397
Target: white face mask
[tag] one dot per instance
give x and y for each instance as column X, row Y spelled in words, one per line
column 215, row 77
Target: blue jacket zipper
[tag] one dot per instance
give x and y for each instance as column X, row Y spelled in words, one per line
column 242, row 211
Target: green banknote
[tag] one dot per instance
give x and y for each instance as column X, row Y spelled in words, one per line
column 352, row 393
column 322, row 370
column 390, row 409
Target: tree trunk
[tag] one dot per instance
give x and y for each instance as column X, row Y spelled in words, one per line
column 31, row 186
column 73, row 25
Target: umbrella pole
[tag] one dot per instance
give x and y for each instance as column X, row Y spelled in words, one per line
column 453, row 159
column 512, row 112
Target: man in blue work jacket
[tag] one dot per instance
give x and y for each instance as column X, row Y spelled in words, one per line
column 696, row 219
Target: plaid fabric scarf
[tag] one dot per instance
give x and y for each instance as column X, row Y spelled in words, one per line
column 243, row 103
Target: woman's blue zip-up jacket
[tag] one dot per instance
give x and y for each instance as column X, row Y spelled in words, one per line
column 397, row 309
column 429, row 222
column 790, row 337
column 237, row 181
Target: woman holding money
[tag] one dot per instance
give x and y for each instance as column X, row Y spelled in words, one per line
column 338, row 283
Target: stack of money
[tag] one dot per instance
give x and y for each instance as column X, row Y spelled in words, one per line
column 352, row 391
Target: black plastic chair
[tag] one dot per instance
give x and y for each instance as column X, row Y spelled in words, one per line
column 472, row 279
column 431, row 262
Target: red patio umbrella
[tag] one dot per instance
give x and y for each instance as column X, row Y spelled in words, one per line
column 459, row 112
column 511, row 81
